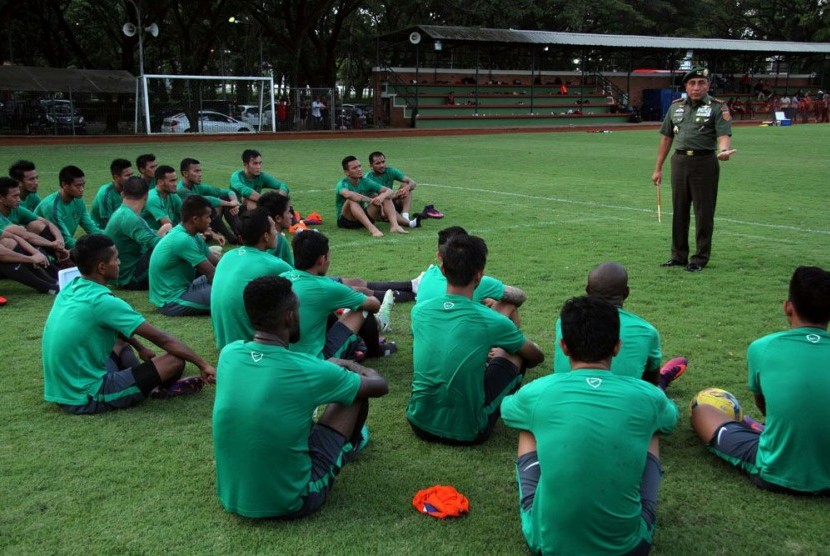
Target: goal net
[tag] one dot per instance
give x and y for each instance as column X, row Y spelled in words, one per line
column 204, row 104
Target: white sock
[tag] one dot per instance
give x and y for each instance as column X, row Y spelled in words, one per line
column 405, row 215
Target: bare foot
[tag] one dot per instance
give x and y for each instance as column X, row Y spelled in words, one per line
column 398, row 230
column 376, row 233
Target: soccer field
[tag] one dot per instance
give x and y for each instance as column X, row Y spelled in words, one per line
column 550, row 206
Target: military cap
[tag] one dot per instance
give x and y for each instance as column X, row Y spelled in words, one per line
column 696, row 73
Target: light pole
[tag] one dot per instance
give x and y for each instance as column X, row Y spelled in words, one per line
column 130, row 30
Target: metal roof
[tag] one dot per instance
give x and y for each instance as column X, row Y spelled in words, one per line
column 27, row 78
column 544, row 38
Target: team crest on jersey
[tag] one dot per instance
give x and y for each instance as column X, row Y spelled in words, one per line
column 256, row 356
column 813, row 338
column 594, row 382
column 448, row 305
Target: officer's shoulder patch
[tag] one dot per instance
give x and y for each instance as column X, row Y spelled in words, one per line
column 675, row 101
column 719, row 101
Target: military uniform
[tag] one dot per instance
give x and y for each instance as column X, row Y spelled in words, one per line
column 695, row 127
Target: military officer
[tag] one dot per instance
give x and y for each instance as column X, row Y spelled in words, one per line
column 702, row 127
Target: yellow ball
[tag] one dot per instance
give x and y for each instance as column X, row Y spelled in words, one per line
column 721, row 400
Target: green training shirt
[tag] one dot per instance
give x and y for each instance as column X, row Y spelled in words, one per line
column 105, row 203
column 133, row 238
column 319, row 296
column 158, row 207
column 792, row 370
column 80, row 332
column 640, row 350
column 283, row 249
column 19, row 216
column 212, row 194
column 388, row 178
column 451, row 338
column 235, row 270
column 434, row 284
column 592, row 431
column 67, row 217
column 173, row 266
column 30, row 201
column 243, row 187
column 265, row 396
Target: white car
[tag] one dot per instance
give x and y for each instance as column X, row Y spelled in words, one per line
column 250, row 115
column 209, row 122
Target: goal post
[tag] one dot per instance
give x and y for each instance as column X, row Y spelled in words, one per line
column 159, row 96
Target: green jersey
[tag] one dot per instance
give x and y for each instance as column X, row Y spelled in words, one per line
column 388, row 178
column 265, row 396
column 451, row 338
column 592, row 431
column 173, row 266
column 80, row 332
column 159, row 207
column 792, row 371
column 434, row 284
column 133, row 238
column 283, row 250
column 19, row 216
column 244, row 186
column 105, row 203
column 364, row 186
column 319, row 296
column 227, row 308
column 212, row 194
column 30, row 201
column 67, row 217
column 640, row 349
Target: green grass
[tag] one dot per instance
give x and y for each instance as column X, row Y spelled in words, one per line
column 550, row 206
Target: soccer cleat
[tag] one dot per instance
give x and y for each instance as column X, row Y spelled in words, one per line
column 384, row 315
column 416, row 221
column 387, row 347
column 671, row 371
column 298, row 227
column 183, row 387
column 431, row 212
column 313, row 219
column 3, row 300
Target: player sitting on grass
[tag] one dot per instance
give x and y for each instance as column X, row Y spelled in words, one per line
column 108, row 198
column 466, row 357
column 271, row 459
column 249, row 182
column 178, row 258
column 490, row 291
column 640, row 353
column 21, row 262
column 224, row 202
column 360, row 201
column 320, row 297
column 25, row 174
column 66, row 208
column 133, row 237
column 387, row 176
column 236, row 269
column 164, row 206
column 88, row 362
column 588, row 463
column 19, row 222
column 147, row 165
column 789, row 373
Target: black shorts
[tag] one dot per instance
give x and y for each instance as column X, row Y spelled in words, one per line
column 343, row 222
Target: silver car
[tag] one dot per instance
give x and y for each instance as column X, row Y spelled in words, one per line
column 209, row 122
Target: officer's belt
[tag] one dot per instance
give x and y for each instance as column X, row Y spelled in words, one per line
column 693, row 153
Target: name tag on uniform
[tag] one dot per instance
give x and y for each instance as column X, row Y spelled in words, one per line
column 704, row 112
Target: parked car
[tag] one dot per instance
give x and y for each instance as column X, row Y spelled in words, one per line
column 355, row 116
column 209, row 122
column 250, row 115
column 44, row 116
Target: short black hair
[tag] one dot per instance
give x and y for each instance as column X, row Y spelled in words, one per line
column 119, row 165
column 249, row 154
column 590, row 328
column 6, row 184
column 68, row 174
column 143, row 159
column 19, row 168
column 346, row 161
column 90, row 250
column 254, row 223
column 463, row 256
column 810, row 294
column 194, row 207
column 135, row 188
column 445, row 234
column 267, row 298
column 163, row 170
column 274, row 202
column 187, row 163
column 308, row 247
column 374, row 155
